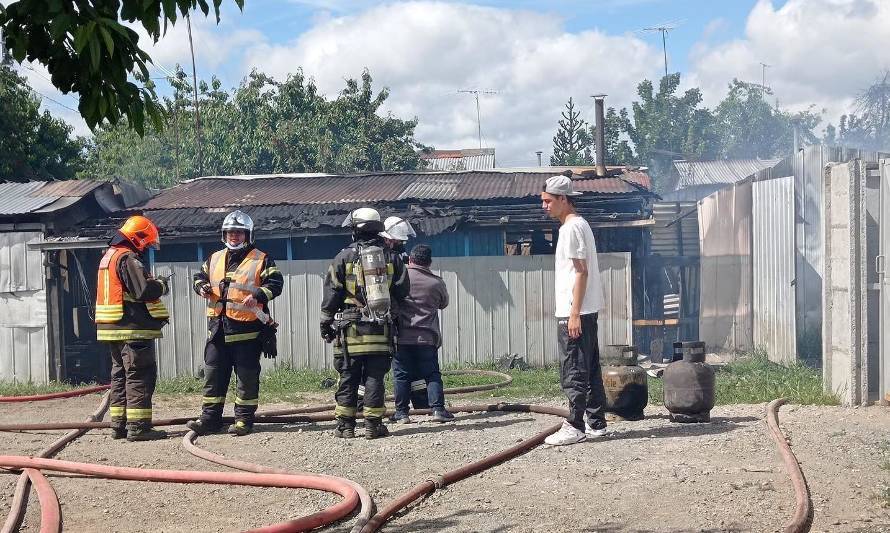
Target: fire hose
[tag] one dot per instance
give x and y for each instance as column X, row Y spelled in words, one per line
column 800, row 522
column 54, row 395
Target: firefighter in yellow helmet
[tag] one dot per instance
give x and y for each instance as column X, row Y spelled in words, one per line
column 129, row 316
column 238, row 282
column 360, row 288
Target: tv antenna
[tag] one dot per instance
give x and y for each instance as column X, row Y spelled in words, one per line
column 663, row 29
column 476, row 93
column 763, row 87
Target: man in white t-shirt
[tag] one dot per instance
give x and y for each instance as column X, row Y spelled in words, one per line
column 579, row 297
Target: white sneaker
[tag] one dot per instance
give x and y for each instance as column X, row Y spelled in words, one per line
column 567, row 434
column 590, row 432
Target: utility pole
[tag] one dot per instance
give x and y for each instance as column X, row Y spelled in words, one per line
column 188, row 22
column 476, row 93
column 663, row 29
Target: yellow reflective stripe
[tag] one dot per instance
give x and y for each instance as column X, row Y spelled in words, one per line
column 117, row 410
column 367, row 339
column 230, row 274
column 127, row 334
column 157, row 310
column 242, row 337
column 213, row 399
column 109, row 313
column 332, row 274
column 349, row 269
column 242, row 401
column 204, row 267
column 342, row 410
column 390, row 269
column 374, row 412
column 419, row 384
column 364, row 348
column 268, row 292
column 269, row 271
column 135, row 413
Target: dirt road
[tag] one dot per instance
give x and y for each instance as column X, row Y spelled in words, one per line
column 651, row 475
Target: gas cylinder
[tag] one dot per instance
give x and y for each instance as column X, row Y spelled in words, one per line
column 626, row 384
column 689, row 384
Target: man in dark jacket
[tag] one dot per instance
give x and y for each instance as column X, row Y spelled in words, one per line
column 416, row 365
column 238, row 282
column 129, row 316
column 363, row 284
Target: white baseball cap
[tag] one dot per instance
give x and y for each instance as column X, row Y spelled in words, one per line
column 560, row 185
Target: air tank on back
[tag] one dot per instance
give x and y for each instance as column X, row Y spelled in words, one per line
column 689, row 384
column 626, row 384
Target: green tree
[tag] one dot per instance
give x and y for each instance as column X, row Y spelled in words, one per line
column 33, row 145
column 664, row 124
column 88, row 51
column 618, row 150
column 262, row 126
column 868, row 127
column 572, row 142
column 749, row 127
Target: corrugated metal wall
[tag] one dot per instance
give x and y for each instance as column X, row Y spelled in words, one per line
column 773, row 268
column 499, row 305
column 23, row 342
column 725, row 230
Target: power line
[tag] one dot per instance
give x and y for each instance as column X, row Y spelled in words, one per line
column 197, row 109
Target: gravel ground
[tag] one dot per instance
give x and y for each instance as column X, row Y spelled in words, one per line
column 650, row 475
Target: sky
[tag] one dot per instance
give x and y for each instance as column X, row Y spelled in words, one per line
column 532, row 55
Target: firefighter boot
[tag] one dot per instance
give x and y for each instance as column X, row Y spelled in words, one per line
column 143, row 431
column 203, row 426
column 374, row 428
column 118, row 429
column 345, row 428
column 240, row 428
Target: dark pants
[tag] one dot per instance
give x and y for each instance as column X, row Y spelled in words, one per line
column 579, row 373
column 353, row 370
column 220, row 359
column 415, row 371
column 134, row 373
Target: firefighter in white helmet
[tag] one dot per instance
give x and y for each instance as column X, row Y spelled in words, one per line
column 361, row 286
column 397, row 231
column 238, row 282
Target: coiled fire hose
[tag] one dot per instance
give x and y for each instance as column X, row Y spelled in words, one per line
column 800, row 522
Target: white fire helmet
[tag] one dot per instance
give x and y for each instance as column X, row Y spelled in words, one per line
column 237, row 220
column 397, row 229
column 363, row 219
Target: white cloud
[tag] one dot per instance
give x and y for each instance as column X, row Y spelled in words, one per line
column 426, row 51
column 821, row 52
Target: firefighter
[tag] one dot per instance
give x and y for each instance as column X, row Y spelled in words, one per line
column 129, row 316
column 361, row 287
column 238, row 283
column 397, row 231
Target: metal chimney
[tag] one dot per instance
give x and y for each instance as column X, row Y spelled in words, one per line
column 539, row 157
column 599, row 99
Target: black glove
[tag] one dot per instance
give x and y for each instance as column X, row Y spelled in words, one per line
column 165, row 283
column 328, row 333
column 268, row 340
column 206, row 289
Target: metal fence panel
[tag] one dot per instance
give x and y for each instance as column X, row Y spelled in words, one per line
column 23, row 322
column 725, row 228
column 773, row 262
column 498, row 306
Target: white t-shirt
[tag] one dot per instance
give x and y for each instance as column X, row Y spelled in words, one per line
column 576, row 242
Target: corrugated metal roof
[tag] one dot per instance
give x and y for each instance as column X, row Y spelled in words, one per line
column 467, row 159
column 366, row 188
column 720, row 171
column 78, row 188
column 19, row 198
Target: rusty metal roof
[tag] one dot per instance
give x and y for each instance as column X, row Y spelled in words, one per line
column 235, row 191
column 68, row 188
column 42, row 196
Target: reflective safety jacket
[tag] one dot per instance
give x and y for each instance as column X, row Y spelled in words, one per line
column 127, row 298
column 247, row 272
column 343, row 294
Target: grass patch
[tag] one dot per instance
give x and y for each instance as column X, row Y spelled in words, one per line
column 750, row 380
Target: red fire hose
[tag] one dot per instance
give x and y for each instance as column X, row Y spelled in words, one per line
column 20, row 498
column 55, row 395
column 803, row 510
column 294, row 481
column 50, row 512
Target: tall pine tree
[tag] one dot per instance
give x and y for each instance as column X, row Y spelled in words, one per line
column 572, row 142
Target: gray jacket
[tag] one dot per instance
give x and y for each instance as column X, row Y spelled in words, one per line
column 419, row 312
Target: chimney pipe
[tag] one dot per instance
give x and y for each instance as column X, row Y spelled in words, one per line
column 599, row 99
column 539, row 157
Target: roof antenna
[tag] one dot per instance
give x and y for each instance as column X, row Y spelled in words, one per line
column 476, row 93
column 664, row 28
